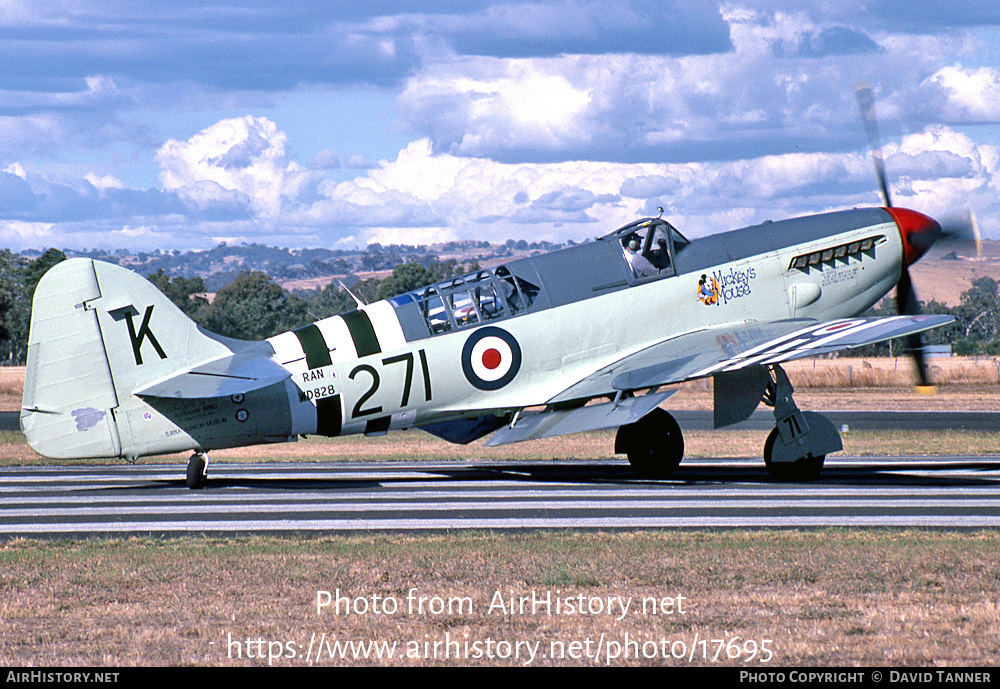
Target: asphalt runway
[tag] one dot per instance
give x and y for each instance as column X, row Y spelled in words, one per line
column 121, row 500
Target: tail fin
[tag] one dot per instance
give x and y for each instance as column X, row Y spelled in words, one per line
column 100, row 335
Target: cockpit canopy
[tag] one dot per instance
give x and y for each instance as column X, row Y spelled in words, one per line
column 473, row 299
column 466, row 301
column 639, row 252
column 649, row 246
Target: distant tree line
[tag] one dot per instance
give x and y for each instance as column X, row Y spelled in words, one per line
column 975, row 330
column 254, row 306
column 221, row 264
column 18, row 278
column 251, row 307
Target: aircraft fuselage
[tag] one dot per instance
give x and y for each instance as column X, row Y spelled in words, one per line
column 458, row 358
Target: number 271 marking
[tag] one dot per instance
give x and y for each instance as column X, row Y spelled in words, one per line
column 376, row 381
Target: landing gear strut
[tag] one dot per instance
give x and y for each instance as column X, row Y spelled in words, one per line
column 197, row 470
column 654, row 444
column 796, row 447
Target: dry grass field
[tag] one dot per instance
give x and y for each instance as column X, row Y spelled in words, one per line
column 758, row 599
column 11, row 387
column 942, row 276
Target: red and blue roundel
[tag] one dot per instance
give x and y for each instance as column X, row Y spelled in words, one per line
column 491, row 358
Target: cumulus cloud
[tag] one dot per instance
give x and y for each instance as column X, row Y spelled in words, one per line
column 480, row 106
column 764, row 95
column 937, row 171
column 359, row 161
column 647, row 186
column 551, row 119
column 428, row 196
column 785, row 85
column 21, row 233
column 966, row 95
column 946, row 172
column 240, row 160
column 104, row 182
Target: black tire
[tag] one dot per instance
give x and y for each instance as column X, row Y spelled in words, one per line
column 801, row 470
column 196, row 472
column 654, row 444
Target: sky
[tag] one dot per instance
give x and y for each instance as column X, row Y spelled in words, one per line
column 181, row 124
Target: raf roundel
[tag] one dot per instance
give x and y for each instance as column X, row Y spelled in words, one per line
column 491, row 358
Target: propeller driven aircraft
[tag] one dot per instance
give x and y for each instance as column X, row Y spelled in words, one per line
column 579, row 339
column 583, row 338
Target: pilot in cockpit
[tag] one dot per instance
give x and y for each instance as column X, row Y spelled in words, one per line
column 640, row 265
column 660, row 256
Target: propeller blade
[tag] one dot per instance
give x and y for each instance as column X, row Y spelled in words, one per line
column 866, row 101
column 975, row 233
column 962, row 233
column 918, row 231
column 915, row 344
column 907, row 304
column 906, row 298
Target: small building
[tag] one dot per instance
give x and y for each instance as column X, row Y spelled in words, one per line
column 937, row 351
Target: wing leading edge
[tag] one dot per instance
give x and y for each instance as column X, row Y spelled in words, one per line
column 735, row 346
column 728, row 352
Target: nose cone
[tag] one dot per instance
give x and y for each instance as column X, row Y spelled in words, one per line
column 918, row 231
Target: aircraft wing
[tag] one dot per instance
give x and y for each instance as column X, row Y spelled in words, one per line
column 588, row 418
column 734, row 346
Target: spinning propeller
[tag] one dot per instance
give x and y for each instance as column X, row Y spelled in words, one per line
column 918, row 231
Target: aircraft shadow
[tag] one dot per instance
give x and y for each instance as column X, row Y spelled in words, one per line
column 720, row 472
column 874, row 473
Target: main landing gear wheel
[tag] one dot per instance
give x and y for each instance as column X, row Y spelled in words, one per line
column 197, row 471
column 803, row 469
column 654, row 444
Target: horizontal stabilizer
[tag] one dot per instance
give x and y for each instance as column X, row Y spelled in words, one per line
column 237, row 374
column 590, row 418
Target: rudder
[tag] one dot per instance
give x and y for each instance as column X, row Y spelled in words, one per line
column 99, row 332
column 68, row 390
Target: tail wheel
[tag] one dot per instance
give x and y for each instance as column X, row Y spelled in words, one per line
column 654, row 444
column 803, row 469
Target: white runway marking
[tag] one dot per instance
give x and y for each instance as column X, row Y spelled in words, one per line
column 923, row 492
